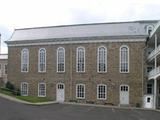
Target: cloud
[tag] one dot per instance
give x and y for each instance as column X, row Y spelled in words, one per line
column 33, row 13
column 5, row 35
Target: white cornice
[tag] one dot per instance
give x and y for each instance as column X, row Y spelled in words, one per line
column 75, row 42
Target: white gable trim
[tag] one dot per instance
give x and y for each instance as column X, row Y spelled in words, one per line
column 74, row 42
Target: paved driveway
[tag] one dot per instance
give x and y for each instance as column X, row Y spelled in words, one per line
column 17, row 111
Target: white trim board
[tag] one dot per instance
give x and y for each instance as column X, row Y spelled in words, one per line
column 74, row 42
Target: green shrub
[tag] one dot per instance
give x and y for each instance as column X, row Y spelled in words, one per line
column 16, row 92
column 10, row 86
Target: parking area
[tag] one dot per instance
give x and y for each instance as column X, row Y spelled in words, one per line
column 17, row 111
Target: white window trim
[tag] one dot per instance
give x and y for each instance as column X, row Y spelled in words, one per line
column 38, row 90
column 39, row 61
column 98, row 92
column 27, row 88
column 64, row 59
column 77, row 59
column 60, row 84
column 98, row 60
column 120, row 59
column 77, row 91
column 123, row 85
column 27, row 60
column 148, row 26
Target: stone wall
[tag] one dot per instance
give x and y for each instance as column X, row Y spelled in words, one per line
column 112, row 78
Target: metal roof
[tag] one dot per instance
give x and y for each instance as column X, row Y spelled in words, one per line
column 82, row 30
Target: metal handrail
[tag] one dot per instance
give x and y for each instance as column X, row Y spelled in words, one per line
column 154, row 72
column 154, row 52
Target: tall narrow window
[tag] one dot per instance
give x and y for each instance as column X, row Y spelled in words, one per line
column 80, row 91
column 41, row 90
column 101, row 91
column 42, row 60
column 124, row 59
column 149, row 88
column 102, row 59
column 24, row 60
column 80, row 60
column 61, row 59
column 24, row 89
column 5, row 69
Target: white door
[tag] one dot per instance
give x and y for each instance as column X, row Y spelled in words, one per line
column 124, row 94
column 148, row 101
column 60, row 92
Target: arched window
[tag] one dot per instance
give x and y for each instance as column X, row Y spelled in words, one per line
column 80, row 91
column 149, row 29
column 102, row 59
column 42, row 60
column 24, row 60
column 102, row 91
column 60, row 59
column 80, row 59
column 124, row 59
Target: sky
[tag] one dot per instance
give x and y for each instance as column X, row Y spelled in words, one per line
column 16, row 14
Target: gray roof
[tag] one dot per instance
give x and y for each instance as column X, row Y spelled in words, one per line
column 136, row 28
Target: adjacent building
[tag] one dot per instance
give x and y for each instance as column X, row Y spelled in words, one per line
column 3, row 69
column 103, row 63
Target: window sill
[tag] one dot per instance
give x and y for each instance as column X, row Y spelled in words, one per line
column 102, row 72
column 80, row 98
column 61, row 72
column 41, row 72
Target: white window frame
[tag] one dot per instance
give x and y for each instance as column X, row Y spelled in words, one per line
column 124, row 85
column 23, row 88
column 79, row 97
column 121, row 58
column 22, row 62
column 105, row 59
column 58, row 59
column 39, row 60
column 39, row 95
column 148, row 28
column 101, row 93
column 77, row 59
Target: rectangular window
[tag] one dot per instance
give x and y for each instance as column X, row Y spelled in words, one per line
column 24, row 89
column 41, row 90
column 101, row 92
column 149, row 88
column 80, row 91
column 149, row 69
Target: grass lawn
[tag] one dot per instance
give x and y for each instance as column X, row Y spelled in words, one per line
column 31, row 99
